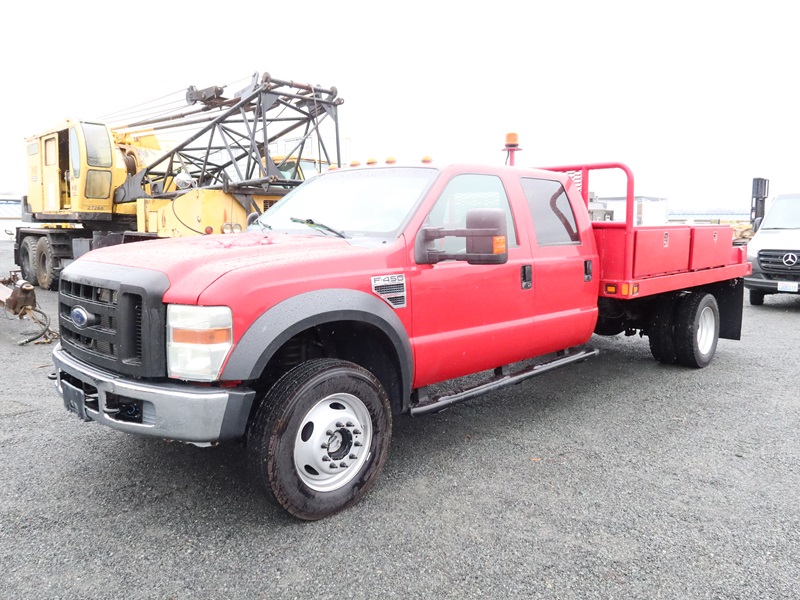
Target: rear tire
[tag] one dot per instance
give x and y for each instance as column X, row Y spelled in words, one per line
column 696, row 330
column 660, row 331
column 27, row 259
column 45, row 264
column 320, row 438
column 756, row 297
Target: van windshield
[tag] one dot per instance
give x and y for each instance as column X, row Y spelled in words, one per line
column 784, row 213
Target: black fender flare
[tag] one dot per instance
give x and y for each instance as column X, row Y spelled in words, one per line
column 286, row 319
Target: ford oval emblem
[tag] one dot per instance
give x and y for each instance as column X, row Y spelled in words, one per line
column 80, row 316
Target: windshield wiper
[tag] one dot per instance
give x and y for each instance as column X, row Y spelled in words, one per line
column 314, row 225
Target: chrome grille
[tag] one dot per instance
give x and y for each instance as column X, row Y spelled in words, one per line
column 785, row 264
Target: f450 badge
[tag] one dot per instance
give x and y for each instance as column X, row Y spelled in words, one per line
column 391, row 288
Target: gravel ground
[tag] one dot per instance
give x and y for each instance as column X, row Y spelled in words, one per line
column 618, row 477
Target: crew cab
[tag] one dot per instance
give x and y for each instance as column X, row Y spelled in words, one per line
column 344, row 304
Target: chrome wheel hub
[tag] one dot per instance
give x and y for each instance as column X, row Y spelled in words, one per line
column 333, row 442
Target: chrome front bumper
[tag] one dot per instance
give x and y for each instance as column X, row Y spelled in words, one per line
column 176, row 411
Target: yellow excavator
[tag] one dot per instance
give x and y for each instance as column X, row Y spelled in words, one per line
column 207, row 164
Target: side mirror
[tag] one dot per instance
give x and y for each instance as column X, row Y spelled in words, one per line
column 486, row 237
column 757, row 223
column 251, row 218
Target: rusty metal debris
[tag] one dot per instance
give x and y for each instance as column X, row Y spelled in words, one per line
column 18, row 298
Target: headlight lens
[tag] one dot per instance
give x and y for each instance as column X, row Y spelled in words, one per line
column 198, row 340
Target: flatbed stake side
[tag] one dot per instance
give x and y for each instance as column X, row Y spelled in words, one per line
column 364, row 289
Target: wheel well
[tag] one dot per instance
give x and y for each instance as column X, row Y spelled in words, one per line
column 616, row 316
column 354, row 341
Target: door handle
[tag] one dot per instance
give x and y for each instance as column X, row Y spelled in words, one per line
column 526, row 276
column 587, row 270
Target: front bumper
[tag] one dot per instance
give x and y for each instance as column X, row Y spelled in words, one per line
column 757, row 281
column 175, row 411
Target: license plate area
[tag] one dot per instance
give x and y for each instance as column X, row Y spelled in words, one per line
column 74, row 400
column 787, row 286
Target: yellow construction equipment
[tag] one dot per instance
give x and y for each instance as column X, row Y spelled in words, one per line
column 205, row 166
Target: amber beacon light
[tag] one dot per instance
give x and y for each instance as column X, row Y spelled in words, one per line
column 512, row 147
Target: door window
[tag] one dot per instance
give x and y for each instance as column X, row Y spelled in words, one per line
column 50, row 151
column 552, row 214
column 465, row 192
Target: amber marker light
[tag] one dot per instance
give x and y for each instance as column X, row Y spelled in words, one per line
column 611, row 288
column 512, row 140
column 355, row 163
column 498, row 244
column 372, row 161
column 427, row 160
column 201, row 336
column 391, row 160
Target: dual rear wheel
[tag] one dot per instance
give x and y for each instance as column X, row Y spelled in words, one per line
column 37, row 261
column 685, row 330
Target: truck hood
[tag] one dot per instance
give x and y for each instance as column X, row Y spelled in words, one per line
column 774, row 239
column 194, row 263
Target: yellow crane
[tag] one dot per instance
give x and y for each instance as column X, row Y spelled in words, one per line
column 205, row 166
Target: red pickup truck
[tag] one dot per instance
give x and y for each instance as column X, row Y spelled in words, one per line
column 346, row 302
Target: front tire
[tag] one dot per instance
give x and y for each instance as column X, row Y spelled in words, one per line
column 45, row 264
column 320, row 438
column 696, row 330
column 27, row 259
column 756, row 297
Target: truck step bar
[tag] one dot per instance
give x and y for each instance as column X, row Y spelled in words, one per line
column 502, row 378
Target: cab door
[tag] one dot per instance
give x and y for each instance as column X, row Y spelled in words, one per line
column 470, row 318
column 51, row 173
column 565, row 267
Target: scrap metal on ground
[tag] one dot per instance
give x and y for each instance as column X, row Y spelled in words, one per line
column 18, row 298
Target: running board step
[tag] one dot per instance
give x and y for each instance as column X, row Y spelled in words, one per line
column 501, row 379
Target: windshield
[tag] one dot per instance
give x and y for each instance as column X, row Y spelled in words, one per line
column 784, row 213
column 98, row 145
column 362, row 202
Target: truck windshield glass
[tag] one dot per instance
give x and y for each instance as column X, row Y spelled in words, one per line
column 359, row 202
column 784, row 213
column 98, row 145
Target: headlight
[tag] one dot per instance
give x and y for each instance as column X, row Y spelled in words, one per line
column 198, row 340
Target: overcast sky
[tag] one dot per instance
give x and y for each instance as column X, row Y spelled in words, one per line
column 696, row 97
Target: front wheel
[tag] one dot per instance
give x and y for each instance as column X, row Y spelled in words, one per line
column 27, row 259
column 756, row 297
column 320, row 438
column 45, row 264
column 696, row 330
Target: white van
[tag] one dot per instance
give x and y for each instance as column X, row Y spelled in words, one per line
column 774, row 250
